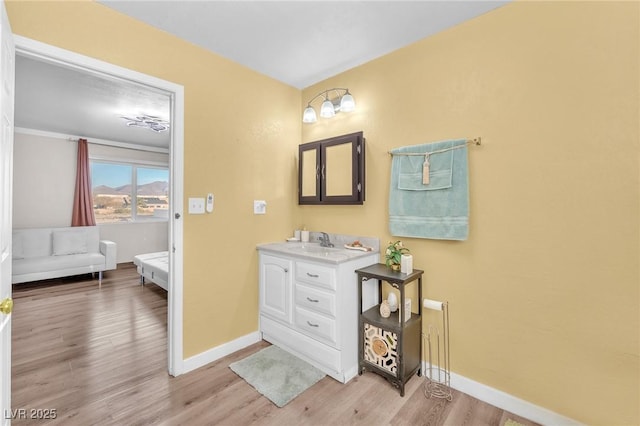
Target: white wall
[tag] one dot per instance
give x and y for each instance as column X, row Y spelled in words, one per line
column 44, row 171
column 136, row 238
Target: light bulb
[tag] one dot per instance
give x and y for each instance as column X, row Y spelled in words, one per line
column 327, row 110
column 309, row 115
column 347, row 103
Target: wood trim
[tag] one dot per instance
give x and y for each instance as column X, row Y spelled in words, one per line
column 125, row 145
column 214, row 354
column 506, row 401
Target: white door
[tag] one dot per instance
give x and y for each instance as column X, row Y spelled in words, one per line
column 7, row 69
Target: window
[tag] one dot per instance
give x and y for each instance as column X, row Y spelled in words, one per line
column 152, row 192
column 118, row 187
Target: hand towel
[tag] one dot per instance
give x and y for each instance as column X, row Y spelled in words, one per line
column 439, row 209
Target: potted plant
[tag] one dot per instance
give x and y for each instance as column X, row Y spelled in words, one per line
column 394, row 252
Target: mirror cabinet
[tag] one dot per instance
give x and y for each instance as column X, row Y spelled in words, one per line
column 331, row 171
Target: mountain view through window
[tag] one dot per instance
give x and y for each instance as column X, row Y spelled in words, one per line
column 117, row 188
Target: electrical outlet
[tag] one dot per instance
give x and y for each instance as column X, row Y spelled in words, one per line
column 259, row 207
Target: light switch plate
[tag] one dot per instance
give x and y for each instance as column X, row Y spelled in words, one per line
column 259, row 207
column 196, row 205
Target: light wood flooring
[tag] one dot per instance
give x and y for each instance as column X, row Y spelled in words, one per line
column 99, row 357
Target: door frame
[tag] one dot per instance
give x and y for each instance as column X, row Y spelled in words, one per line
column 35, row 49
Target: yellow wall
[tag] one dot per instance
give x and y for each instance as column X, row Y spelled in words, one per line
column 544, row 294
column 241, row 135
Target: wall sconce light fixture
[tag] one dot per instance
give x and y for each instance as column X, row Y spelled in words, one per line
column 343, row 101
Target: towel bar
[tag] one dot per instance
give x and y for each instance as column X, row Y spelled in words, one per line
column 474, row 141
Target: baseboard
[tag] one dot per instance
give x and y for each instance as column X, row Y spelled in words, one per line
column 475, row 389
column 221, row 351
column 507, row 402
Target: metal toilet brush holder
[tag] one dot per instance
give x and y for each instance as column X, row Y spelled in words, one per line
column 436, row 345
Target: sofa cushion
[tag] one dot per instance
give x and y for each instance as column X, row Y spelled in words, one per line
column 66, row 242
column 35, row 242
column 53, row 263
column 159, row 268
column 140, row 258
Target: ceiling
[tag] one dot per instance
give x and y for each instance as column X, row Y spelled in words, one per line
column 297, row 42
column 302, row 42
column 53, row 98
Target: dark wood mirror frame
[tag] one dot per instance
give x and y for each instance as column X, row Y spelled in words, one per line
column 321, row 169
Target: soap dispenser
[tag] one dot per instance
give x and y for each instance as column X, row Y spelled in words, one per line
column 304, row 235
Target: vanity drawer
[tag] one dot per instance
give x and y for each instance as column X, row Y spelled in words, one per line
column 316, row 326
column 316, row 300
column 321, row 276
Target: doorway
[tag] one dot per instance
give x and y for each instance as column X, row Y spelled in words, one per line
column 43, row 52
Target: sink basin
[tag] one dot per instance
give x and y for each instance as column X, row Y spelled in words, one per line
column 317, row 250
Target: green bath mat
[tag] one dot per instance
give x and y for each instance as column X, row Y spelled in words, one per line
column 277, row 374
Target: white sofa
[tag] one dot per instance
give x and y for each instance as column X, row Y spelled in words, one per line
column 153, row 267
column 44, row 253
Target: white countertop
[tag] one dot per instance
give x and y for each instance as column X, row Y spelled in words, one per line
column 313, row 251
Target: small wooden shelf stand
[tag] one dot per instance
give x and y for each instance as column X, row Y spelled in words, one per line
column 390, row 346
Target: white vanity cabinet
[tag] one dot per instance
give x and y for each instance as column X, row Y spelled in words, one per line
column 310, row 308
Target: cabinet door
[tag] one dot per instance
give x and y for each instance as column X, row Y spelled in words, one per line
column 342, row 170
column 309, row 174
column 275, row 288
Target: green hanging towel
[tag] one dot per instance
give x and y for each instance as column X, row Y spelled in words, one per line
column 438, row 209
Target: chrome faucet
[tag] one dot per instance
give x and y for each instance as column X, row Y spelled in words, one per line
column 324, row 240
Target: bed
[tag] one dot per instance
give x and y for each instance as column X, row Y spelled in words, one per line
column 153, row 267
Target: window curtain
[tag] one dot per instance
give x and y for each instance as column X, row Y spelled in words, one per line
column 82, row 201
